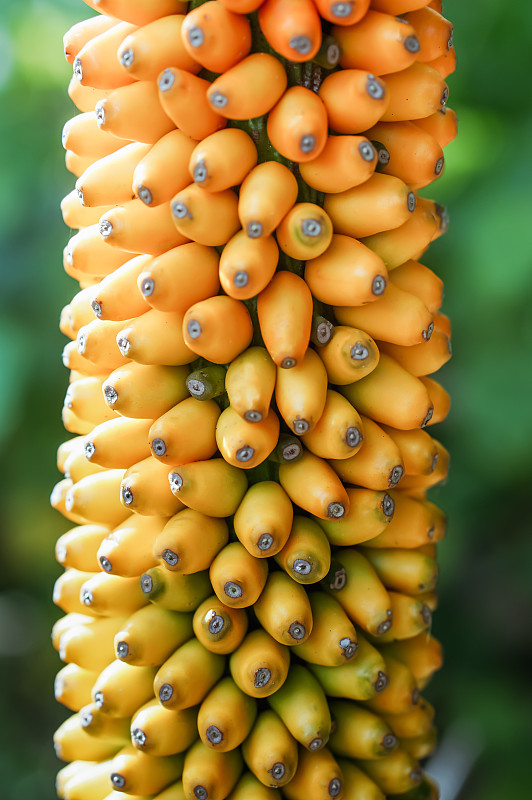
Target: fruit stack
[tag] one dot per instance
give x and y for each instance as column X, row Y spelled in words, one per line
column 249, row 583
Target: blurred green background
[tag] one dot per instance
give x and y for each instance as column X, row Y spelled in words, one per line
column 486, row 262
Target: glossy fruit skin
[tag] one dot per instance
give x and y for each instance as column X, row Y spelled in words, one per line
column 251, row 352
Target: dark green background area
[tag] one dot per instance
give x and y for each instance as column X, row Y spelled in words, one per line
column 485, row 261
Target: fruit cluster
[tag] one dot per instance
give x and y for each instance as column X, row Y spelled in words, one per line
column 249, row 583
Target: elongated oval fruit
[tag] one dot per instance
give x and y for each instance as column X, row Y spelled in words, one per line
column 379, row 465
column 197, row 484
column 210, row 773
column 283, row 609
column 401, row 141
column 408, row 403
column 250, row 382
column 312, row 485
column 263, row 519
column 160, row 732
column 166, row 281
column 347, row 273
column 222, row 159
column 247, row 265
column 82, row 32
column 246, row 444
column 226, row 716
column 251, row 566
column 215, row 37
column 303, row 707
column 176, row 546
column 292, row 28
column 339, row 432
column 115, row 298
column 218, row 328
column 300, row 393
column 249, row 89
column 260, row 665
column 206, row 218
column 333, row 640
column 152, row 47
column 297, row 125
column 266, row 195
column 306, row 556
column 182, row 96
column 237, row 577
column 163, row 170
column 185, row 433
column 344, row 162
column 381, row 43
column 354, row 99
column 122, row 113
column 110, row 177
column 96, row 65
column 284, row 311
column 220, row 628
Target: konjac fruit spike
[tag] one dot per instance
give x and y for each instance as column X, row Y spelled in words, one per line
column 251, row 352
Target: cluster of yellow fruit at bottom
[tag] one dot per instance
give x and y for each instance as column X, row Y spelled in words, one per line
column 249, row 584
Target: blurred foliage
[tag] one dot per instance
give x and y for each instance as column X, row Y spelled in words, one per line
column 486, row 560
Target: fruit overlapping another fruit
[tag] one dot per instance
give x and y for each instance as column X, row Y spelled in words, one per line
column 249, row 580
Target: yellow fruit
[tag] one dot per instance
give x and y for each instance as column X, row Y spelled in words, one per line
column 247, row 475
